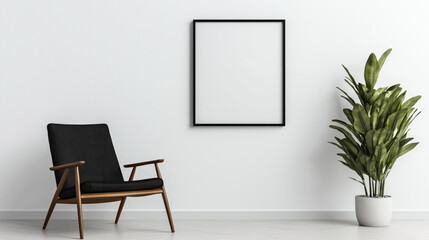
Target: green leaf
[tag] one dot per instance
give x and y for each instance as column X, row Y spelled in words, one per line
column 409, row 117
column 400, row 117
column 393, row 91
column 350, row 128
column 349, row 162
column 369, row 141
column 393, row 152
column 351, row 77
column 376, row 94
column 354, row 179
column 345, row 132
column 374, row 118
column 360, row 168
column 411, row 102
column 393, row 88
column 349, row 114
column 383, row 57
column 386, row 110
column 412, row 118
column 347, row 97
column 376, row 137
column 382, row 116
column 346, row 164
column 364, row 93
column 380, row 100
column 390, row 165
column 372, row 169
column 396, row 106
column 361, row 119
column 337, row 145
column 380, row 156
column 348, row 81
column 351, row 101
column 362, row 158
column 351, row 147
column 407, row 148
column 384, row 136
column 371, row 71
column 347, row 147
column 402, row 142
column 390, row 120
column 395, row 119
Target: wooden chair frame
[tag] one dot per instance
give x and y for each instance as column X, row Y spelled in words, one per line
column 86, row 198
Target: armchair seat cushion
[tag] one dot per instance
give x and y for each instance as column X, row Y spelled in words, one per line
column 100, row 187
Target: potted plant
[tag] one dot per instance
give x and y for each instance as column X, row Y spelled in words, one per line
column 374, row 136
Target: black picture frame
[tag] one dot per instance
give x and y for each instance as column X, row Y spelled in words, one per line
column 283, row 73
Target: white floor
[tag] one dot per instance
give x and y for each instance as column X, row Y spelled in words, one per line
column 214, row 229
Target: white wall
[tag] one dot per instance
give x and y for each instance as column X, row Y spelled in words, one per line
column 128, row 63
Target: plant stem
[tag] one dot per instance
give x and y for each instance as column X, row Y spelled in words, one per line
column 375, row 188
column 364, row 185
column 370, row 186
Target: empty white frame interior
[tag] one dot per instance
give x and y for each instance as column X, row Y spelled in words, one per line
column 239, row 72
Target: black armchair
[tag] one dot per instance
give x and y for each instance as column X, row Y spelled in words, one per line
column 96, row 176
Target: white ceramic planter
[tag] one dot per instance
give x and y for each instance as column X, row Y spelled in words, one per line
column 374, row 212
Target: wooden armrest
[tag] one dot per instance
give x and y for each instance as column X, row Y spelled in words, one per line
column 68, row 165
column 143, row 163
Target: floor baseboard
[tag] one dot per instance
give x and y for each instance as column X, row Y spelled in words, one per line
column 207, row 215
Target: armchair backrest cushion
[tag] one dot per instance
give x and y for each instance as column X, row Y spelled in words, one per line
column 90, row 143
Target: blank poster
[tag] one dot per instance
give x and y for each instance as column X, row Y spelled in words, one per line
column 239, row 72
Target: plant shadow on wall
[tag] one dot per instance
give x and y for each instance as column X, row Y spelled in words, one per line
column 376, row 133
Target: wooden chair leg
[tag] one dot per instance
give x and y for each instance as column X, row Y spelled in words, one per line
column 55, row 198
column 79, row 215
column 167, row 208
column 48, row 215
column 78, row 202
column 121, row 206
column 164, row 197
